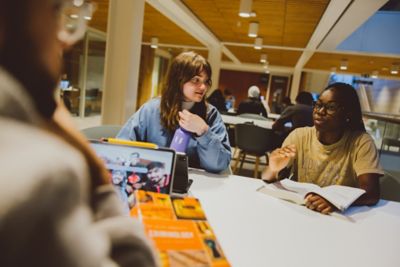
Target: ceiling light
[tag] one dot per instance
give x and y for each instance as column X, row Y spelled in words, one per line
column 74, row 16
column 253, row 29
column 88, row 17
column 245, row 8
column 374, row 74
column 78, row 3
column 263, row 58
column 333, row 70
column 394, row 69
column 154, row 42
column 258, row 43
column 343, row 64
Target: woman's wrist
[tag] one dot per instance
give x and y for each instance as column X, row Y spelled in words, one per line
column 203, row 130
column 269, row 175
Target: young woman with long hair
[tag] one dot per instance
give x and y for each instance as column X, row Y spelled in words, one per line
column 183, row 104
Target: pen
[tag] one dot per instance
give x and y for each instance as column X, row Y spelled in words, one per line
column 129, row 143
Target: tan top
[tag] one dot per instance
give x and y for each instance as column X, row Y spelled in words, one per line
column 340, row 163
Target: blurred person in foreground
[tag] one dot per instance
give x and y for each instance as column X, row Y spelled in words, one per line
column 299, row 115
column 337, row 150
column 58, row 207
column 253, row 103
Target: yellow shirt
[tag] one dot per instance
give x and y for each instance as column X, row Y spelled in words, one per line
column 340, row 163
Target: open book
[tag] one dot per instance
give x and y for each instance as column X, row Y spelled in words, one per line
column 338, row 195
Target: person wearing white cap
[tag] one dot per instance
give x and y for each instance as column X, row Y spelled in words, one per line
column 252, row 104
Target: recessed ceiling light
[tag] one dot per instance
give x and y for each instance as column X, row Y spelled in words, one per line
column 343, row 64
column 374, row 74
column 154, row 42
column 263, row 58
column 253, row 29
column 394, row 69
column 258, row 43
column 245, row 8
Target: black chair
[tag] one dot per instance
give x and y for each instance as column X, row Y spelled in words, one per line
column 253, row 140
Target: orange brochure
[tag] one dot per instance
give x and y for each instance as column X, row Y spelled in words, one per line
column 179, row 230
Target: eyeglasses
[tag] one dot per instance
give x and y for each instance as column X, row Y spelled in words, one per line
column 197, row 81
column 74, row 15
column 330, row 108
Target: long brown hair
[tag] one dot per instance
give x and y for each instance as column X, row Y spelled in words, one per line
column 183, row 68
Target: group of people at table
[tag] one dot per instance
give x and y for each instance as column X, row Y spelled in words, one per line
column 66, row 211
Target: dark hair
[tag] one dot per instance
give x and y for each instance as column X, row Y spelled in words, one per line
column 183, row 68
column 136, row 154
column 305, row 98
column 155, row 164
column 19, row 55
column 348, row 98
column 217, row 99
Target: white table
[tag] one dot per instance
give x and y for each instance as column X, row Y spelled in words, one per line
column 255, row 229
column 237, row 119
column 273, row 116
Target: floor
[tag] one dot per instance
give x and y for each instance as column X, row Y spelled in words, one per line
column 86, row 122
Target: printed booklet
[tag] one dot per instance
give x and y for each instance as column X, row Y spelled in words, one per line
column 179, row 230
column 338, row 195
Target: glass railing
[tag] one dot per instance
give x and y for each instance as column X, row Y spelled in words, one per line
column 385, row 130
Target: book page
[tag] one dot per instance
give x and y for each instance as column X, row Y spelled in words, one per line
column 340, row 196
column 299, row 188
column 278, row 191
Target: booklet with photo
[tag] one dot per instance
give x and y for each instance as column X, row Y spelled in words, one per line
column 179, row 229
column 338, row 195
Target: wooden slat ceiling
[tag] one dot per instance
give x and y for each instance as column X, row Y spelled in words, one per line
column 356, row 63
column 281, row 22
column 155, row 25
column 287, row 23
column 275, row 56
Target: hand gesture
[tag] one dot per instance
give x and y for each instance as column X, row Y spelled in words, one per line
column 280, row 157
column 192, row 123
column 318, row 203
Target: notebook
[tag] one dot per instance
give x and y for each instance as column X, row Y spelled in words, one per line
column 133, row 168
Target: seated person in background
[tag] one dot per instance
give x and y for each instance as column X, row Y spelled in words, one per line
column 229, row 100
column 157, row 178
column 57, row 205
column 286, row 102
column 337, row 150
column 217, row 99
column 253, row 103
column 300, row 114
column 182, row 105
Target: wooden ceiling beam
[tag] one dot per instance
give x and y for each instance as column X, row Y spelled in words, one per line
column 358, row 12
column 178, row 13
column 328, row 20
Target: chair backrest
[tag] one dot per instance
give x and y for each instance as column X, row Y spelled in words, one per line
column 254, row 139
column 98, row 132
column 252, row 116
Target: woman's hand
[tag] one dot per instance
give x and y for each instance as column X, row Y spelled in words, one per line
column 278, row 160
column 318, row 203
column 192, row 123
column 280, row 157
